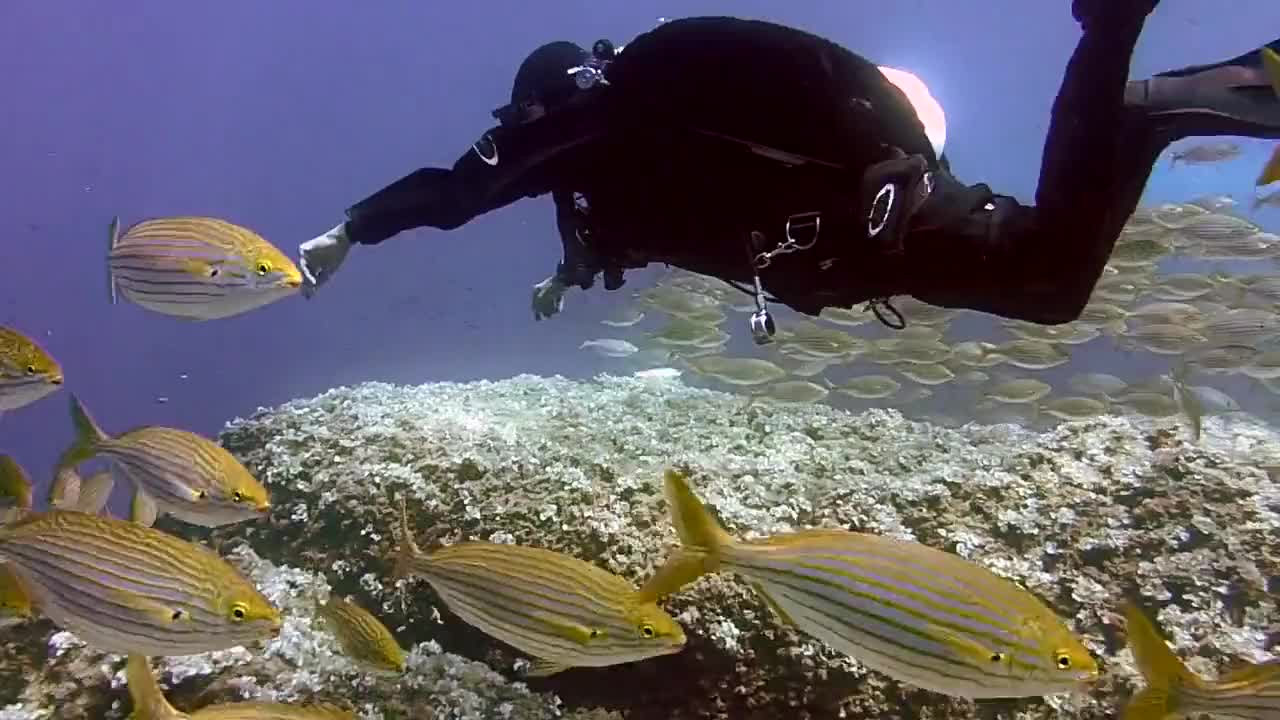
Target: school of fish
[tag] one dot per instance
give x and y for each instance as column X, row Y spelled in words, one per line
column 921, row 615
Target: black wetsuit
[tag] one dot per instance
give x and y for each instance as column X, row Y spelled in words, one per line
column 712, row 133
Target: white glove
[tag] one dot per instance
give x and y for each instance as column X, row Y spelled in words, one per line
column 320, row 257
column 548, row 298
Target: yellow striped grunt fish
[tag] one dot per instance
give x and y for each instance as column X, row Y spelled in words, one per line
column 173, row 471
column 27, row 371
column 561, row 610
column 920, row 615
column 197, row 268
column 123, row 587
column 1251, row 691
column 149, row 703
column 362, row 636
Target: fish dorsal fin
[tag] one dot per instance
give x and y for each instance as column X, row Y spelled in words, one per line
column 1159, row 665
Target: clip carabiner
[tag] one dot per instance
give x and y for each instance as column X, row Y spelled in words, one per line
column 804, row 220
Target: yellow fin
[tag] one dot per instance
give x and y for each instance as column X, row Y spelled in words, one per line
column 94, row 493
column 972, row 649
column 1271, row 64
column 1147, row 704
column 695, row 525
column 143, row 510
column 409, row 552
column 162, row 614
column 1247, row 673
column 149, row 702
column 199, row 268
column 544, row 668
column 1159, row 666
column 681, row 568
column 773, row 605
column 1270, row 171
column 574, row 632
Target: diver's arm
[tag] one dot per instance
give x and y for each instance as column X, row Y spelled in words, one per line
column 436, row 197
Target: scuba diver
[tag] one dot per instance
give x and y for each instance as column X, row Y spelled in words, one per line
column 806, row 175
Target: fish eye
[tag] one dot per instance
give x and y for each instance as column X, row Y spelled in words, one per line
column 237, row 496
column 1063, row 661
column 213, row 272
column 239, row 612
column 264, row 267
column 594, row 633
column 32, row 369
column 647, row 631
column 996, row 657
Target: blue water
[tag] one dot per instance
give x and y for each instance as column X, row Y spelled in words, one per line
column 278, row 115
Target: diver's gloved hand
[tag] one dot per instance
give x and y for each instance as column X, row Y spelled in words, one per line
column 1091, row 12
column 548, row 298
column 320, row 257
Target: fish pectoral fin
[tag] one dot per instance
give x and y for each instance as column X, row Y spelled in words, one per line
column 198, row 268
column 1148, row 704
column 571, row 631
column 774, row 606
column 143, row 509
column 161, row 613
column 545, row 668
column 970, row 648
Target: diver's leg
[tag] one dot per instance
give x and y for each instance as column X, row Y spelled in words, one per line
column 1041, row 263
column 1234, row 97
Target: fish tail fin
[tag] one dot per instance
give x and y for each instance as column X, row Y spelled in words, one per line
column 1270, row 174
column 14, row 477
column 409, row 553
column 1271, row 63
column 1161, row 669
column 114, row 238
column 702, row 539
column 88, row 436
column 149, row 702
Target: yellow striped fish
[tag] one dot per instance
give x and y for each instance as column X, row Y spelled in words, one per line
column 15, row 490
column 27, row 371
column 1271, row 63
column 917, row 614
column 197, row 268
column 561, row 610
column 1249, row 692
column 173, row 471
column 124, row 588
column 149, row 703
column 362, row 636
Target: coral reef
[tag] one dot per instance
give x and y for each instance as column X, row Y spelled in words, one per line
column 1082, row 515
